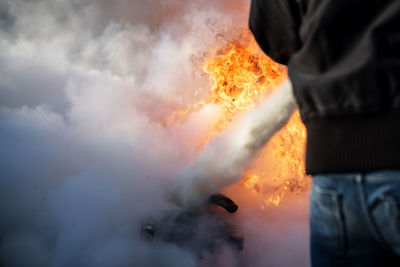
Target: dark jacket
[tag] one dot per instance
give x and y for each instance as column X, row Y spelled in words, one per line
column 343, row 59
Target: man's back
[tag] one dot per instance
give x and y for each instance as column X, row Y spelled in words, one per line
column 344, row 63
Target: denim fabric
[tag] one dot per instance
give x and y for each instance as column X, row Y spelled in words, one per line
column 355, row 219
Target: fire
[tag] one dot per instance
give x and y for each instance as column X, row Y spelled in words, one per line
column 241, row 76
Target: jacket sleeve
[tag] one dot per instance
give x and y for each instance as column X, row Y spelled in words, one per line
column 275, row 25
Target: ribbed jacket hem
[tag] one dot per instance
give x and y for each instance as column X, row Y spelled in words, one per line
column 353, row 143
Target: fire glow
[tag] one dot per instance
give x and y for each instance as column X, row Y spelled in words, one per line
column 242, row 76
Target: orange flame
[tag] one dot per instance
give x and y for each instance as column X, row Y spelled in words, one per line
column 241, row 77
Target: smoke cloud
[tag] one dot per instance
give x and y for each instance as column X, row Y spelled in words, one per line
column 85, row 90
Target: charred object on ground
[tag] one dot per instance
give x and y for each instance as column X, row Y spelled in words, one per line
column 201, row 230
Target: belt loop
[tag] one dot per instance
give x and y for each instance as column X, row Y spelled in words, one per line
column 359, row 179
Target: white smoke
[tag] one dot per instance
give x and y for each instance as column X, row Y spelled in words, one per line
column 85, row 88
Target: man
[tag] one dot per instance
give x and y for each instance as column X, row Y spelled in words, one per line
column 343, row 59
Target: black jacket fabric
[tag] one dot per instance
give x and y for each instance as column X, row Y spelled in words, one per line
column 343, row 59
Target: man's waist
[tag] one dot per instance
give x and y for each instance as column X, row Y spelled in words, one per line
column 358, row 143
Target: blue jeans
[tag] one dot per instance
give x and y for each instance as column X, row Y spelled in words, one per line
column 355, row 219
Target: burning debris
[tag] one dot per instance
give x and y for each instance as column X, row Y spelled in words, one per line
column 201, row 230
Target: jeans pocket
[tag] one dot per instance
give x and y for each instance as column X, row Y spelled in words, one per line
column 386, row 215
column 326, row 221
